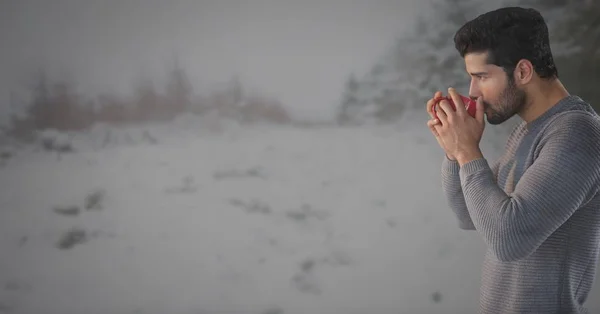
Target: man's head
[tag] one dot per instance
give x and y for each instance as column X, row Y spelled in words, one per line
column 505, row 51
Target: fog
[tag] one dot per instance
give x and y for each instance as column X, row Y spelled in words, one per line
column 297, row 51
column 101, row 212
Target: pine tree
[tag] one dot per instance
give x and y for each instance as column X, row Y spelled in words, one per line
column 349, row 101
column 178, row 89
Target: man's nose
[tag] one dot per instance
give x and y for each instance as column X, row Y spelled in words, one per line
column 474, row 91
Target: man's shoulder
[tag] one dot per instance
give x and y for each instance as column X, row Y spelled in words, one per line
column 575, row 121
column 574, row 129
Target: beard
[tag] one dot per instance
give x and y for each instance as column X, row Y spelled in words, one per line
column 511, row 101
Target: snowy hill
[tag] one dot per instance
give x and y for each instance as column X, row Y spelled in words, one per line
column 257, row 220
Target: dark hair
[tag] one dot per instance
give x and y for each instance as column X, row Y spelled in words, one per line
column 508, row 35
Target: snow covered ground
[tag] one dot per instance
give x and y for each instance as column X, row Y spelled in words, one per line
column 221, row 219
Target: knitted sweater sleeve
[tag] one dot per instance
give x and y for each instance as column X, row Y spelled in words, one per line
column 452, row 189
column 563, row 177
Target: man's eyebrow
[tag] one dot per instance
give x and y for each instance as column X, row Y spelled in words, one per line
column 478, row 73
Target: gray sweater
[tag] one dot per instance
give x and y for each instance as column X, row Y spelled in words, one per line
column 538, row 211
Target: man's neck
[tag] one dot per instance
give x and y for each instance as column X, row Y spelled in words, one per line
column 542, row 99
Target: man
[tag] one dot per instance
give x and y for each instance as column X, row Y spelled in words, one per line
column 538, row 207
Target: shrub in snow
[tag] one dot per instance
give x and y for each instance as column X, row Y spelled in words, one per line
column 56, row 141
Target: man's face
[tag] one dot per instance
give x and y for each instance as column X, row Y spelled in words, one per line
column 501, row 97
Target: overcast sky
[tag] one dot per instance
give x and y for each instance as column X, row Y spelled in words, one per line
column 298, row 51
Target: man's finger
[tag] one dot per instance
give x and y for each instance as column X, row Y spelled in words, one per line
column 431, row 125
column 437, row 129
column 444, row 112
column 480, row 110
column 431, row 102
column 458, row 103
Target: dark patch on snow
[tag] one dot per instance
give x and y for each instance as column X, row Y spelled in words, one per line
column 253, row 206
column 436, row 297
column 72, row 237
column 67, row 210
column 187, row 187
column 94, row 201
column 306, row 212
column 255, row 172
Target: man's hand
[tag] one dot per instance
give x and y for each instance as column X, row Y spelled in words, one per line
column 432, row 122
column 458, row 132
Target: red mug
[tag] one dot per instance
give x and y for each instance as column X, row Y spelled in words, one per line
column 470, row 104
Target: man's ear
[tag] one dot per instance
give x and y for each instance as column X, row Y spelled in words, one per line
column 524, row 72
